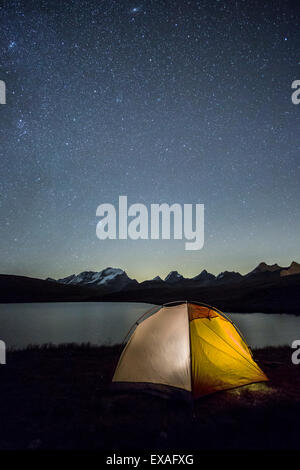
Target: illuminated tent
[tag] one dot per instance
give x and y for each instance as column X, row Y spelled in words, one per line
column 187, row 347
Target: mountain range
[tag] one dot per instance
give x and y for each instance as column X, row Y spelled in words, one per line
column 115, row 279
column 267, row 288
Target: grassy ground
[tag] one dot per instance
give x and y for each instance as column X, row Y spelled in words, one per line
column 58, row 398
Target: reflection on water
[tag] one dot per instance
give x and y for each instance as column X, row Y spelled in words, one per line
column 108, row 323
column 67, row 322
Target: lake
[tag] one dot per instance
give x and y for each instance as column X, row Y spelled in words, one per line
column 108, row 323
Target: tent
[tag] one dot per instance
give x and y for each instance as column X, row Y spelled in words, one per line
column 186, row 347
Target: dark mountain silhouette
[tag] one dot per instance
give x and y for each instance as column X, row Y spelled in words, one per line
column 294, row 268
column 229, row 276
column 173, row 277
column 157, row 278
column 264, row 267
column 276, row 295
column 28, row 289
column 267, row 288
column 204, row 277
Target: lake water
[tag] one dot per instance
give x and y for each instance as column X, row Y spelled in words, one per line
column 109, row 322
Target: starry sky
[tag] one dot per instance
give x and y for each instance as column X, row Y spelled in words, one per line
column 162, row 101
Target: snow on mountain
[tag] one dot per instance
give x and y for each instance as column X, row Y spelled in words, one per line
column 114, row 278
column 173, row 276
column 109, row 274
column 68, row 279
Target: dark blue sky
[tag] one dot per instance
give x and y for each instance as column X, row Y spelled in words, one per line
column 162, row 101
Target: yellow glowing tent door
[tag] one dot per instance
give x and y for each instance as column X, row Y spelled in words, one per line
column 220, row 357
column 187, row 346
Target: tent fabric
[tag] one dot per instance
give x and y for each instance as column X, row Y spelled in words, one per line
column 218, row 363
column 158, row 351
column 200, row 311
column 189, row 346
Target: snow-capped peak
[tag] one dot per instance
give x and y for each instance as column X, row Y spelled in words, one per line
column 173, row 276
column 95, row 278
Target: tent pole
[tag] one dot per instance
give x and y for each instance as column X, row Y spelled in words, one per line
column 191, row 369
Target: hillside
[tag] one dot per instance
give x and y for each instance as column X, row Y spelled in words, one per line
column 277, row 295
column 264, row 292
column 27, row 289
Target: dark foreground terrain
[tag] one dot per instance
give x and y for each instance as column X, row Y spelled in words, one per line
column 57, row 398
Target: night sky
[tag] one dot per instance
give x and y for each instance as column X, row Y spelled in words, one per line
column 162, row 101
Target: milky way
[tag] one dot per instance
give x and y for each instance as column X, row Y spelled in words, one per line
column 162, row 101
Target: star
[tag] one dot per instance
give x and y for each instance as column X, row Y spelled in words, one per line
column 12, row 44
column 135, row 10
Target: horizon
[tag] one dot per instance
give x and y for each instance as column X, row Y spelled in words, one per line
column 162, row 276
